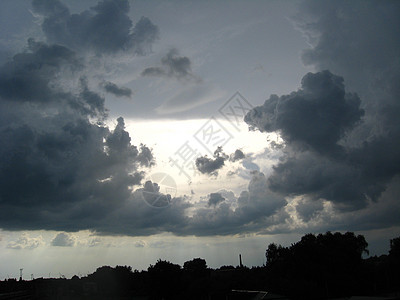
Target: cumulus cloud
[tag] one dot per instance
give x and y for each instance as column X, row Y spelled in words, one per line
column 76, row 172
column 148, row 211
column 312, row 121
column 64, row 239
column 29, row 76
column 152, row 196
column 341, row 148
column 105, row 28
column 316, row 116
column 61, row 167
column 26, row 242
column 173, row 66
column 214, row 199
column 253, row 211
column 210, row 166
column 308, row 209
column 237, row 155
column 114, row 89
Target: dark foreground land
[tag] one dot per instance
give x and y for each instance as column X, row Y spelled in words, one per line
column 326, row 266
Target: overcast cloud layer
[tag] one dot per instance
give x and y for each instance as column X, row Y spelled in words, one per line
column 62, row 168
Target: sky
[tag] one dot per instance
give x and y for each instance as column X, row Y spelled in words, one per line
column 133, row 131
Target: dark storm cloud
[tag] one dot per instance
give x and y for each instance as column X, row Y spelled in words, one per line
column 29, row 75
column 151, row 194
column 214, row 199
column 114, row 89
column 105, row 28
column 316, row 116
column 137, row 217
column 308, row 209
column 237, row 155
column 312, row 121
column 93, row 100
column 61, row 167
column 254, row 210
column 211, row 166
column 207, row 165
column 339, row 146
column 173, row 66
column 358, row 40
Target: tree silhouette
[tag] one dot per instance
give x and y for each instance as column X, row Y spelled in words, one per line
column 320, row 266
column 318, row 263
column 195, row 266
column 395, row 247
column 164, row 277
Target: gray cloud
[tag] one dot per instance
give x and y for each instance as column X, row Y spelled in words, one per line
column 237, row 155
column 339, row 146
column 255, row 209
column 173, row 66
column 312, row 121
column 64, row 239
column 316, row 116
column 61, row 167
column 105, row 28
column 26, row 242
column 140, row 244
column 114, row 89
column 370, row 66
column 151, row 194
column 137, row 218
column 29, row 76
column 210, row 166
column 308, row 209
column 93, row 103
column 95, row 242
column 214, row 199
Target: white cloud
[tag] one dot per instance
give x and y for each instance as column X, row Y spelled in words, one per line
column 26, row 242
column 140, row 244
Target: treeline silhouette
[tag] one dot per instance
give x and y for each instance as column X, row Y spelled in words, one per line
column 319, row 266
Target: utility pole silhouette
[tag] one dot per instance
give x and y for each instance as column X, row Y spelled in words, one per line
column 240, row 261
column 20, row 274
